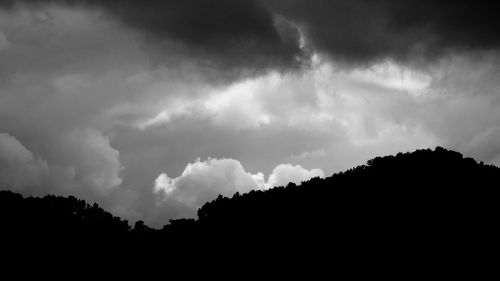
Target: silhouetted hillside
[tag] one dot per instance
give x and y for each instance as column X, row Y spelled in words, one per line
column 418, row 201
column 53, row 215
column 414, row 213
column 427, row 205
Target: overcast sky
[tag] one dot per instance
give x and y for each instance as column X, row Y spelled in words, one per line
column 152, row 108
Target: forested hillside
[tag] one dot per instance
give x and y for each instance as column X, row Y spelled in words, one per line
column 427, row 201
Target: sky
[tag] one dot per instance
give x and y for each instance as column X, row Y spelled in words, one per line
column 152, row 108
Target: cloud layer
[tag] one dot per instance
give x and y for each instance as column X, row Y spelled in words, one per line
column 100, row 102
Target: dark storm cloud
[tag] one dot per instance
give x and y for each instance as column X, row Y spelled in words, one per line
column 229, row 33
column 364, row 31
column 451, row 24
column 251, row 33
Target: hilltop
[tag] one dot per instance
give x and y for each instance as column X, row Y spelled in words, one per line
column 427, row 203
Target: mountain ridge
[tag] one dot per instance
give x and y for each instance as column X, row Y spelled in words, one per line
column 407, row 205
column 375, row 168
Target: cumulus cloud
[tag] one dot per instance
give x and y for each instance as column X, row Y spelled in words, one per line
column 94, row 161
column 203, row 181
column 287, row 173
column 57, row 100
column 83, row 164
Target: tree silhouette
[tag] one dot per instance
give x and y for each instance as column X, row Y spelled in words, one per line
column 432, row 205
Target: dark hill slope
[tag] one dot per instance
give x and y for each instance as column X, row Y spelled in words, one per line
column 56, row 220
column 433, row 204
column 429, row 205
column 437, row 187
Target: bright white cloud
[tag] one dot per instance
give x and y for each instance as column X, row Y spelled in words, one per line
column 203, row 181
column 320, row 98
column 287, row 173
column 237, row 106
column 391, row 75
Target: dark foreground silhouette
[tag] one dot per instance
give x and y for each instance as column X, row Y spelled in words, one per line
column 427, row 209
